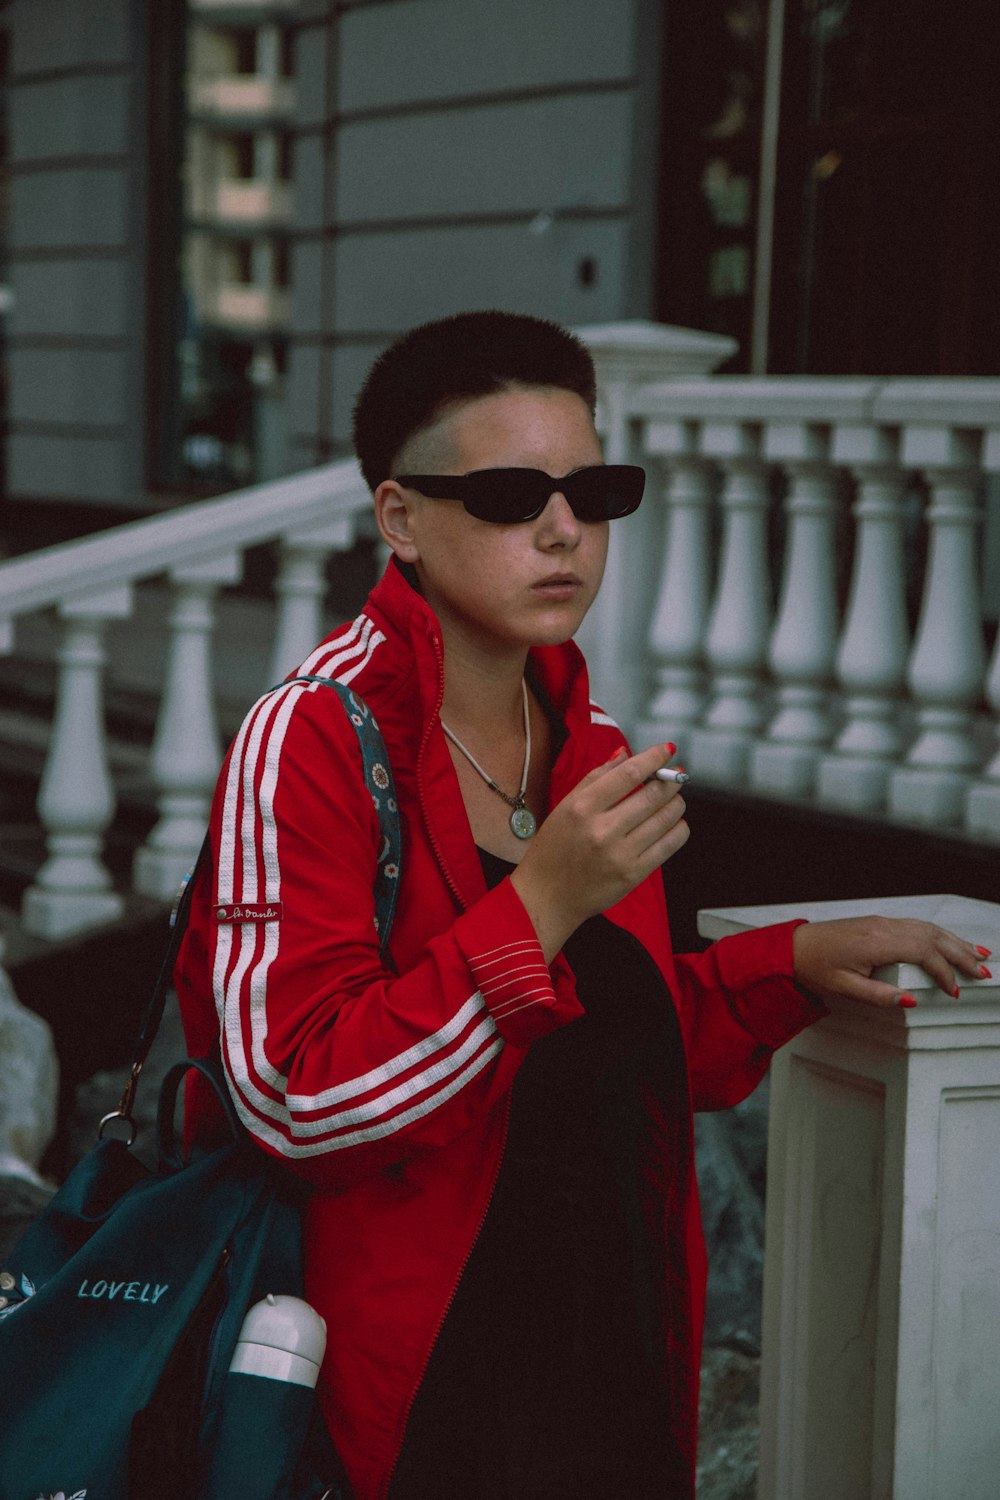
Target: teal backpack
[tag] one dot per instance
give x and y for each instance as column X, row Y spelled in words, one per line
column 122, row 1304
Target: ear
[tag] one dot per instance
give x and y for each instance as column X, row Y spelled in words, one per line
column 393, row 516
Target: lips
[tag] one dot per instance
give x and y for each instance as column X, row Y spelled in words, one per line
column 562, row 582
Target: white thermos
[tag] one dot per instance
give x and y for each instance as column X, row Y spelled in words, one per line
column 268, row 1401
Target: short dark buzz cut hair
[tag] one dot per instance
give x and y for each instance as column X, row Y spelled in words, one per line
column 455, row 359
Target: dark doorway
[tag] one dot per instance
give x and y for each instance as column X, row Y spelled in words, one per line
column 888, row 146
column 884, row 256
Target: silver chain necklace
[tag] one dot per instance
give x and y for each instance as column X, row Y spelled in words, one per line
column 522, row 819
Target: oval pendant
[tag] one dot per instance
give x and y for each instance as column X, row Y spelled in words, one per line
column 522, row 822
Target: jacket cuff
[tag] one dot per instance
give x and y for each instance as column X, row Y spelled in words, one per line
column 757, row 969
column 498, row 941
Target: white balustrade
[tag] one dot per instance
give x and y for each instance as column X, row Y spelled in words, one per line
column 803, row 643
column 948, row 663
column 677, row 632
column 874, row 646
column 300, row 587
column 738, row 630
column 73, row 889
column 89, row 581
column 186, row 746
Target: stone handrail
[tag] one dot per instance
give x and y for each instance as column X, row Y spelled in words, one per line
column 91, row 582
column 805, row 697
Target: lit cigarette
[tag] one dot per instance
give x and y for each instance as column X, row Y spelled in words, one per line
column 667, row 773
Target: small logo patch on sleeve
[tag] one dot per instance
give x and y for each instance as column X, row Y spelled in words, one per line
column 249, row 911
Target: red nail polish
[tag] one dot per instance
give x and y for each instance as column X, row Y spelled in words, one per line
column 906, row 1001
column 985, row 952
column 984, row 973
column 670, row 749
column 956, row 992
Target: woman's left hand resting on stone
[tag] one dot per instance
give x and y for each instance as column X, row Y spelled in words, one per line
column 836, row 959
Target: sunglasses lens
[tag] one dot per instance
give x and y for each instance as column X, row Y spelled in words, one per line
column 605, row 492
column 505, row 496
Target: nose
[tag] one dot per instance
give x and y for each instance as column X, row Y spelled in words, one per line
column 558, row 526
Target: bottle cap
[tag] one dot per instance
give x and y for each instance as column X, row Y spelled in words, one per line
column 286, row 1323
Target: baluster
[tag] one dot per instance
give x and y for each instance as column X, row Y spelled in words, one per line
column 741, row 614
column 948, row 662
column 677, row 633
column 871, row 659
column 72, row 891
column 982, row 810
column 186, row 748
column 803, row 642
column 300, row 587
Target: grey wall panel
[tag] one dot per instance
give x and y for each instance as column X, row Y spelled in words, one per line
column 439, row 49
column 49, row 34
column 388, row 281
column 69, row 386
column 302, row 391
column 307, row 285
column 52, row 467
column 310, row 75
column 309, row 167
column 553, row 153
column 70, row 299
column 58, row 209
column 69, row 117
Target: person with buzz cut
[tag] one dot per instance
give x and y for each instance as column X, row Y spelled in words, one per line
column 496, row 1121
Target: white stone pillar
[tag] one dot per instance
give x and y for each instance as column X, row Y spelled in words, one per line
column 186, row 747
column 948, row 663
column 803, row 643
column 627, row 356
column 300, row 588
column 736, row 640
column 882, row 1253
column 677, row 631
column 72, row 891
column 873, row 650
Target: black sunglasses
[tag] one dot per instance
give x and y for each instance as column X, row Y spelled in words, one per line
column 602, row 492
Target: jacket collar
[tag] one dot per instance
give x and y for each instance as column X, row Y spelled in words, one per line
column 560, row 672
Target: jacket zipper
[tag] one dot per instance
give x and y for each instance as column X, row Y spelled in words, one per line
column 453, row 886
column 383, row 1493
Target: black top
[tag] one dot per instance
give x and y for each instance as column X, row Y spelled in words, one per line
column 545, row 1381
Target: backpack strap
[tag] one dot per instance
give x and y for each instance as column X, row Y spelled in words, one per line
column 378, row 780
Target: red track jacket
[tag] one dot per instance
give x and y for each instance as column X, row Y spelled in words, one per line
column 389, row 1090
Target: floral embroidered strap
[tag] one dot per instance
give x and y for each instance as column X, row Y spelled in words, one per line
column 378, row 779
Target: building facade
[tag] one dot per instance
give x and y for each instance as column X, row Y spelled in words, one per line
column 218, row 211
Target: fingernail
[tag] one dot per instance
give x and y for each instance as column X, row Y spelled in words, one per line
column 986, row 952
column 670, row 749
column 906, row 1001
column 984, row 973
column 956, row 992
